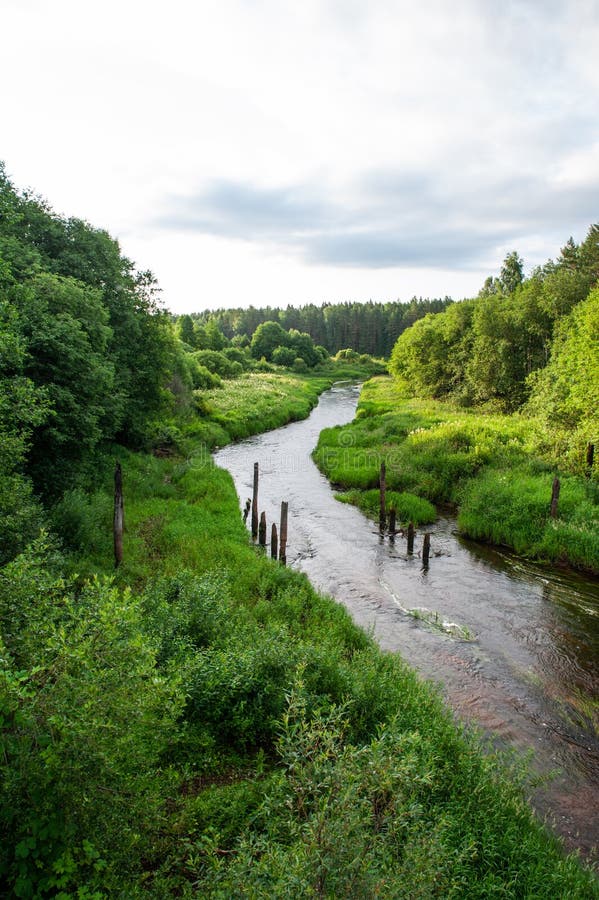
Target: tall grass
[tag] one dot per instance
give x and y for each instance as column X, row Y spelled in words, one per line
column 496, row 469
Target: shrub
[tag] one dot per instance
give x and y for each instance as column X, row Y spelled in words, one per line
column 217, row 363
column 300, row 366
column 284, row 356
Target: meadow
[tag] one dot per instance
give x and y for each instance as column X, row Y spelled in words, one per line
column 202, row 723
column 497, row 470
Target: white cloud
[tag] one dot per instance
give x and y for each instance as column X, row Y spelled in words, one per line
column 486, row 114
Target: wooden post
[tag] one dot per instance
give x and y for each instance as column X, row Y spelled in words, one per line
column 392, row 523
column 383, row 488
column 255, row 504
column 411, row 537
column 246, row 511
column 118, row 515
column 273, row 541
column 554, row 498
column 283, row 545
column 262, row 530
column 426, row 549
column 590, row 458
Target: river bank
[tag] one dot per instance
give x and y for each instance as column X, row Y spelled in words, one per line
column 513, row 645
column 495, row 469
column 206, row 723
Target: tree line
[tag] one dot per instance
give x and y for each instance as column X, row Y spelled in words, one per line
column 371, row 328
column 522, row 344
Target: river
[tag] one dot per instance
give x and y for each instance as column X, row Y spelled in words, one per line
column 514, row 646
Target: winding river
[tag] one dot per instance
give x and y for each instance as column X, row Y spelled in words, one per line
column 514, row 646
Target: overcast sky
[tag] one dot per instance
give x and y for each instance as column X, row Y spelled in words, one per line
column 267, row 151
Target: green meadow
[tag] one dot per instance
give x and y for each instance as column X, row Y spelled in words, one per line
column 496, row 469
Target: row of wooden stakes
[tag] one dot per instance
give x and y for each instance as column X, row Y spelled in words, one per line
column 259, row 526
column 393, row 530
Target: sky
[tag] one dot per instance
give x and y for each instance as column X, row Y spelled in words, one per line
column 273, row 152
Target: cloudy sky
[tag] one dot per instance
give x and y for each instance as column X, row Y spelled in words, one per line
column 268, row 151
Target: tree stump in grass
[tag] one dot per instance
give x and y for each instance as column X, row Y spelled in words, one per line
column 283, row 539
column 262, row 530
column 554, row 498
column 119, row 516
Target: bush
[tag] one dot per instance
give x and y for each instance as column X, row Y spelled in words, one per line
column 300, row 366
column 204, row 379
column 217, row 363
column 284, row 356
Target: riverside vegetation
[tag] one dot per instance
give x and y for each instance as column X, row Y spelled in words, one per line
column 492, row 398
column 204, row 723
column 200, row 722
column 494, row 468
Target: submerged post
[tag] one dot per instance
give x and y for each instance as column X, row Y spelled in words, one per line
column 392, row 523
column 383, row 488
column 411, row 537
column 246, row 511
column 255, row 504
column 262, row 530
column 118, row 515
column 590, row 459
column 426, row 549
column 554, row 498
column 273, row 542
column 283, row 546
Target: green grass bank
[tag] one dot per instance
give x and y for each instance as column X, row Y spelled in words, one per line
column 203, row 723
column 497, row 470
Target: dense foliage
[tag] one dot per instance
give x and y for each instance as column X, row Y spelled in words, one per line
column 369, row 327
column 86, row 354
column 488, row 349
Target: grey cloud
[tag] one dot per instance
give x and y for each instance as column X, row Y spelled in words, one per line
column 390, row 218
column 240, row 210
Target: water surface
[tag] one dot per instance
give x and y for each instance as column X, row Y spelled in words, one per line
column 514, row 646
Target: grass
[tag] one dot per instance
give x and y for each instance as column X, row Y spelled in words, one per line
column 408, row 508
column 292, row 757
column 495, row 469
column 311, row 763
column 250, row 404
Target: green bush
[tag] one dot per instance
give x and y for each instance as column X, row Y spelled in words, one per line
column 217, row 363
column 284, row 356
column 300, row 366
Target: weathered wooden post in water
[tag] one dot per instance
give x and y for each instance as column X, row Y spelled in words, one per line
column 590, row 458
column 119, row 516
column 246, row 511
column 283, row 546
column 426, row 549
column 255, row 504
column 273, row 542
column 262, row 530
column 411, row 537
column 554, row 498
column 383, row 489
